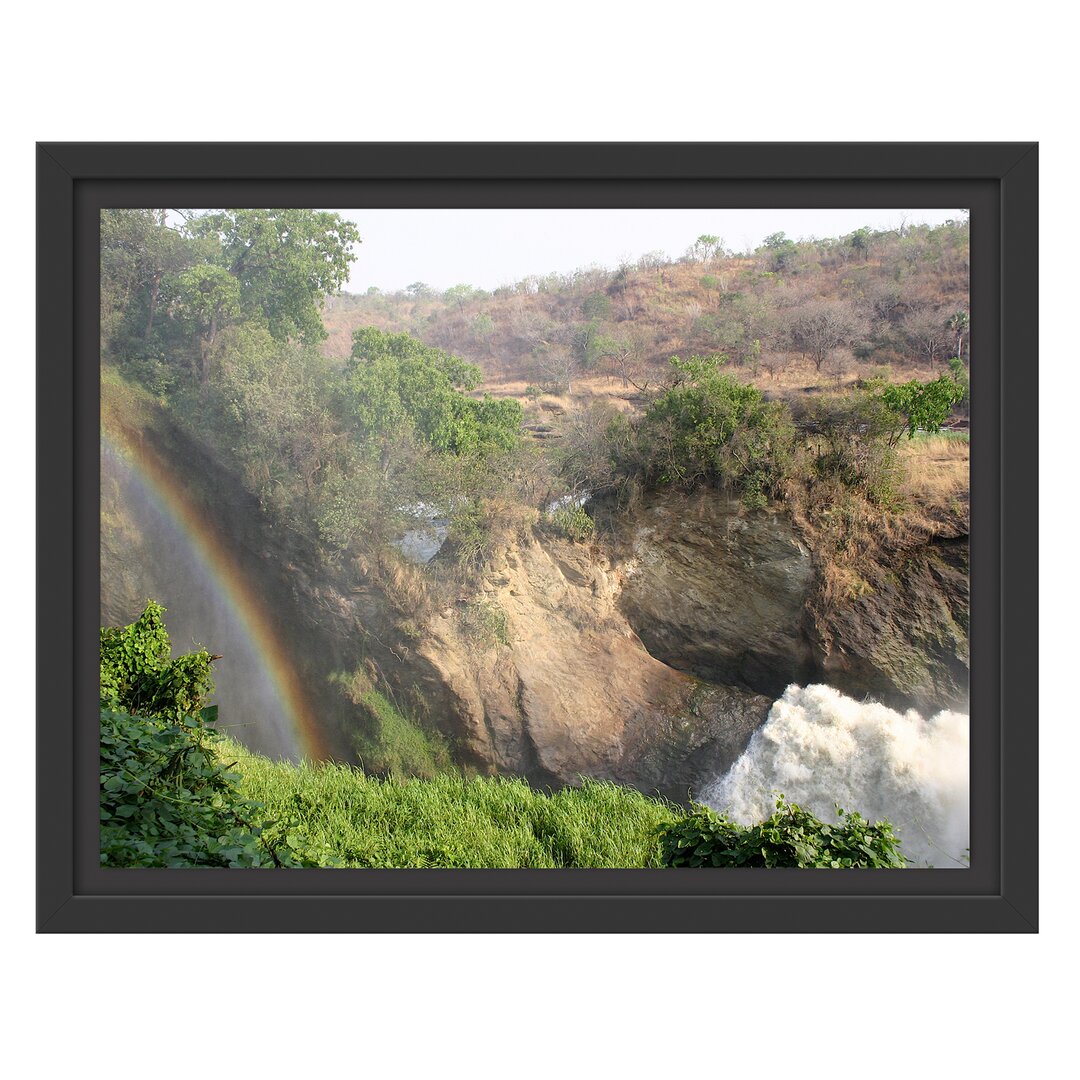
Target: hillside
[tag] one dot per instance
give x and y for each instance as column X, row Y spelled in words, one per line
column 792, row 316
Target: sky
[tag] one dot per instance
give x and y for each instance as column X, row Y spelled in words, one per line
column 489, row 248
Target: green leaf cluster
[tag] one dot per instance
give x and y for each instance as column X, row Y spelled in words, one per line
column 709, row 427
column 139, row 674
column 573, row 522
column 791, row 837
column 166, row 797
column 285, row 261
column 923, row 406
column 400, row 388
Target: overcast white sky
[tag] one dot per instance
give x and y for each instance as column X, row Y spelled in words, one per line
column 488, row 248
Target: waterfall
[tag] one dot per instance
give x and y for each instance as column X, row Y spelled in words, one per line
column 820, row 748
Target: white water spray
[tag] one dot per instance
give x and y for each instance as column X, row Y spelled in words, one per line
column 820, row 748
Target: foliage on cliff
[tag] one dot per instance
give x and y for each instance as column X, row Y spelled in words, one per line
column 167, row 796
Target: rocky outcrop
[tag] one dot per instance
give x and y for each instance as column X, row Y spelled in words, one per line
column 571, row 690
column 728, row 595
column 718, row 591
column 649, row 659
column 905, row 640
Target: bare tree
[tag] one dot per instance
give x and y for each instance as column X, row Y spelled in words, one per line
column 819, row 327
column 532, row 327
column 774, row 364
column 837, row 364
column 928, row 333
column 558, row 365
column 625, row 352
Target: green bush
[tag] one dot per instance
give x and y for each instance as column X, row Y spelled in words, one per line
column 854, row 445
column 139, row 675
column 573, row 523
column 792, row 836
column 469, row 534
column 166, row 797
column 711, row 428
column 922, row 406
column 166, row 800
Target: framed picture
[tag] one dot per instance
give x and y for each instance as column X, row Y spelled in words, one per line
column 630, row 591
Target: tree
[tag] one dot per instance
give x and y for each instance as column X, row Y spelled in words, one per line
column 596, row 305
column 166, row 252
column 928, row 333
column 959, row 323
column 482, row 327
column 710, row 428
column 860, row 240
column 921, row 406
column 559, row 364
column 286, row 262
column 461, row 295
column 819, row 327
column 624, row 352
column 706, row 248
column 208, row 295
column 278, row 410
column 780, row 250
column 402, row 389
column 138, row 251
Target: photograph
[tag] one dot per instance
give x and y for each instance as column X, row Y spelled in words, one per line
column 536, row 538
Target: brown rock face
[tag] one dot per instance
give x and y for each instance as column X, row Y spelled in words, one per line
column 717, row 591
column 650, row 661
column 575, row 692
column 906, row 641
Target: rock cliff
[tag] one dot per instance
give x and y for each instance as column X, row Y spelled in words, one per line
column 648, row 658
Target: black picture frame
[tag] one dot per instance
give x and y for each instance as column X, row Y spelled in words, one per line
column 997, row 181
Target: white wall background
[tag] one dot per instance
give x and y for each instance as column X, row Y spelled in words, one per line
column 525, row 1006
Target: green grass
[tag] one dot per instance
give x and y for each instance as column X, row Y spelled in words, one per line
column 398, row 745
column 453, row 821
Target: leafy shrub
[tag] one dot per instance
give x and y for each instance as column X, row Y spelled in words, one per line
column 139, row 675
column 961, row 377
column 922, row 406
column 397, row 386
column 573, row 523
column 469, row 534
column 167, row 801
column 156, row 374
column 596, row 305
column 709, row 427
column 792, row 836
column 854, row 445
column 166, row 797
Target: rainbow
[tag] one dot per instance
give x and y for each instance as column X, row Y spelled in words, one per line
column 168, row 495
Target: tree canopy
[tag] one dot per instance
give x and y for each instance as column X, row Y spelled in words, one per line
column 286, row 261
column 400, row 388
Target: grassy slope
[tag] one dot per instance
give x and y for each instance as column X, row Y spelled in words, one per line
column 452, row 821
